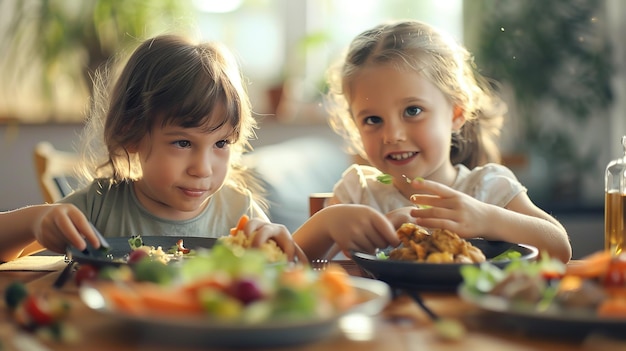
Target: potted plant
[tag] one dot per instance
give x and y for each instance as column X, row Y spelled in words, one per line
column 58, row 45
column 554, row 57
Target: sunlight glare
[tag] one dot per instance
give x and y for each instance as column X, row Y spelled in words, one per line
column 357, row 327
column 217, row 6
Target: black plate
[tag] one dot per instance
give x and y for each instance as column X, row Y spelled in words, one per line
column 119, row 248
column 573, row 323
column 434, row 276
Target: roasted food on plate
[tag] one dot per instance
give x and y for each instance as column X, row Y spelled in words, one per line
column 593, row 286
column 440, row 246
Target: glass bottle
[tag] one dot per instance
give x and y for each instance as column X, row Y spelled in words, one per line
column 615, row 204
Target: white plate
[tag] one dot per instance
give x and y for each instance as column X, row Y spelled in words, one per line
column 203, row 331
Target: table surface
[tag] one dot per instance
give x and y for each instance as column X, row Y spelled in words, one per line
column 414, row 332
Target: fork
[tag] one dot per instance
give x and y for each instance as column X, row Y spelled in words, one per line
column 89, row 250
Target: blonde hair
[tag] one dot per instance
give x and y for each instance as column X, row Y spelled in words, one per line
column 168, row 80
column 417, row 46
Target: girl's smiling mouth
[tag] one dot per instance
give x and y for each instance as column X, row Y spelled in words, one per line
column 401, row 156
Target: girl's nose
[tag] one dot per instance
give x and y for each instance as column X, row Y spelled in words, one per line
column 200, row 166
column 394, row 132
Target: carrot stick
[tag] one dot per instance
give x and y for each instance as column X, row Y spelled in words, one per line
column 240, row 224
column 591, row 266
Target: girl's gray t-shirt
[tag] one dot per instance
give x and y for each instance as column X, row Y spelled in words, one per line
column 116, row 212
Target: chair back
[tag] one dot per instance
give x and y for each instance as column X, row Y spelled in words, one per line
column 55, row 171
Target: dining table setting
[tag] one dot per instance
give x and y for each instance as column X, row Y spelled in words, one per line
column 403, row 309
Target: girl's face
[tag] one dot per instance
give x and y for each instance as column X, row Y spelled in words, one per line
column 405, row 123
column 182, row 168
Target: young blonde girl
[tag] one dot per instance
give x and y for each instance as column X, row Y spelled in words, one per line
column 408, row 100
column 173, row 128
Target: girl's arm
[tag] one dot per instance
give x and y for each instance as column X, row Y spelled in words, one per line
column 520, row 222
column 53, row 226
column 17, row 232
column 528, row 224
column 350, row 226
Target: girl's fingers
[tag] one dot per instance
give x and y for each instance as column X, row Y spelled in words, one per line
column 72, row 225
column 85, row 229
column 385, row 232
column 424, row 200
column 433, row 188
column 278, row 233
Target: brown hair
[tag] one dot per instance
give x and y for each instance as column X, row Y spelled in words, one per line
column 169, row 80
column 448, row 65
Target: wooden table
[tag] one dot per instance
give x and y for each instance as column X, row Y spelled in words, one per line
column 100, row 332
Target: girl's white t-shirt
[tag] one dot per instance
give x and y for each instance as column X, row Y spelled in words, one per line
column 492, row 183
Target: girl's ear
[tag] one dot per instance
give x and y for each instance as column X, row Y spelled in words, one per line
column 458, row 118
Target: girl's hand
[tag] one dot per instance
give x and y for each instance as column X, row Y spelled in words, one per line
column 358, row 227
column 279, row 233
column 449, row 209
column 63, row 224
column 400, row 216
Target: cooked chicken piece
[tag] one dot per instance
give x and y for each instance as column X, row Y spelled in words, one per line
column 520, row 286
column 440, row 257
column 420, row 250
column 475, row 254
column 442, row 246
column 447, row 241
column 462, row 259
column 410, row 232
column 404, row 254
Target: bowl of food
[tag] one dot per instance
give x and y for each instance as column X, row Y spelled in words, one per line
column 432, row 260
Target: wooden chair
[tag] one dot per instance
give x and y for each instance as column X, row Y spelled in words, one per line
column 55, row 171
column 316, row 201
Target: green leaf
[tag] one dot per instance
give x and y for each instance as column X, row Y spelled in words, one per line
column 385, row 178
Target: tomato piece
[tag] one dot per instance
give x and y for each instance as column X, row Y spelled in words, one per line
column 36, row 307
column 85, row 272
column 616, row 273
column 43, row 310
column 551, row 275
column 181, row 247
column 137, row 255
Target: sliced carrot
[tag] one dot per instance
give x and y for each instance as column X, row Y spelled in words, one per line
column 164, row 300
column 123, row 299
column 591, row 266
column 240, row 224
column 336, row 286
column 336, row 279
column 217, row 282
column 614, row 307
column 295, row 277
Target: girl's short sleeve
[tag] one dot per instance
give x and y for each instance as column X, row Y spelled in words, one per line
column 492, row 183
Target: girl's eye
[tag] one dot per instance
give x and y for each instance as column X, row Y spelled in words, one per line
column 372, row 120
column 182, row 143
column 413, row 111
column 222, row 144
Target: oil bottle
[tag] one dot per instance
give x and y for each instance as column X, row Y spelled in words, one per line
column 615, row 204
